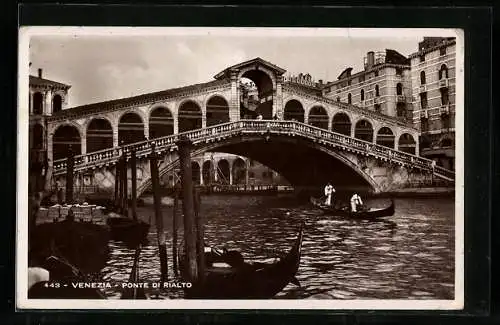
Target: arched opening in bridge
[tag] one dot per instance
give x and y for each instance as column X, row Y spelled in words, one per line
column 364, row 131
column 217, row 111
column 56, row 103
column 66, row 136
column 318, row 117
column 257, row 99
column 341, row 124
column 208, row 172
column 189, row 116
column 161, row 123
column 407, row 143
column 130, row 129
column 36, row 137
column 37, row 103
column 294, row 111
column 223, row 171
column 304, row 164
column 239, row 171
column 99, row 135
column 385, row 137
column 195, row 170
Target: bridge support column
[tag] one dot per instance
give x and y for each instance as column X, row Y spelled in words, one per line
column 115, row 137
column 216, row 170
column 176, row 123
column 146, row 130
column 201, row 174
column 234, row 106
column 230, row 175
column 84, row 143
column 50, row 160
column 353, row 129
column 278, row 99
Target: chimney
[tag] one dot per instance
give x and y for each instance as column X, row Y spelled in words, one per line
column 320, row 81
column 370, row 59
column 39, row 73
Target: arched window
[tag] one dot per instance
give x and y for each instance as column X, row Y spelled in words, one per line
column 443, row 72
column 422, row 78
column 377, row 91
column 56, row 103
column 362, row 94
column 38, row 103
column 399, row 89
column 349, row 98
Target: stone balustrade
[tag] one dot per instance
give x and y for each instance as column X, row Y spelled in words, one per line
column 271, row 127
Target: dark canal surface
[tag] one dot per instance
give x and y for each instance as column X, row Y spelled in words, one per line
column 410, row 255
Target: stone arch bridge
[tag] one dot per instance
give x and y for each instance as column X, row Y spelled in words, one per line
column 303, row 135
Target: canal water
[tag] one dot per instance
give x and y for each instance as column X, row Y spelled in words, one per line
column 407, row 256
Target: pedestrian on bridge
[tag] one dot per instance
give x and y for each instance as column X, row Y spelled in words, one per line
column 329, row 190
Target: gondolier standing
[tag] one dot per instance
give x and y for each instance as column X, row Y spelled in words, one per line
column 329, row 190
column 356, row 202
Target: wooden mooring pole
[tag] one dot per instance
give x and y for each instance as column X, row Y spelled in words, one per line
column 184, row 145
column 125, row 185
column 200, row 236
column 70, row 162
column 117, row 183
column 174, row 232
column 133, row 170
column 162, row 239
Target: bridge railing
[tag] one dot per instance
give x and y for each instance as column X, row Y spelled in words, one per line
column 142, row 148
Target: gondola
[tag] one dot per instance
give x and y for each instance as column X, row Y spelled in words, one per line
column 127, row 230
column 247, row 280
column 346, row 213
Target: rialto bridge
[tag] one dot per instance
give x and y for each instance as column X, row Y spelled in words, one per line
column 302, row 135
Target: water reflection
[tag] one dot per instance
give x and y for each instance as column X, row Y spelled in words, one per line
column 409, row 255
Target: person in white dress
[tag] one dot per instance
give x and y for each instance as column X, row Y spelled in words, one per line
column 356, row 202
column 329, row 190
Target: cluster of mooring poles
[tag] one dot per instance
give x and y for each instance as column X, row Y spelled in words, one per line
column 193, row 225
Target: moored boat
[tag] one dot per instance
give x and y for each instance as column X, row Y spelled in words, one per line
column 128, row 230
column 346, row 213
column 248, row 280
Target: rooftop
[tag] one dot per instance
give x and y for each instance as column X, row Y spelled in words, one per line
column 37, row 81
column 116, row 103
column 434, row 46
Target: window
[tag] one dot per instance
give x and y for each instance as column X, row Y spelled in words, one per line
column 401, row 110
column 445, row 121
column 442, row 51
column 443, row 72
column 349, row 98
column 362, row 78
column 377, row 108
column 38, row 103
column 399, row 89
column 377, row 92
column 376, row 73
column 424, row 124
column 422, row 78
column 362, row 94
column 338, row 99
column 56, row 103
column 445, row 99
column 399, row 71
column 422, row 58
column 423, row 100
column 446, row 143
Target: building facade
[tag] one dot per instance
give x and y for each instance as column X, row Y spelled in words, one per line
column 383, row 86
column 433, row 87
column 45, row 98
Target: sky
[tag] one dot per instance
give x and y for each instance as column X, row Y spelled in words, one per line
column 111, row 66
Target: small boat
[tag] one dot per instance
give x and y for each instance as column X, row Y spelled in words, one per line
column 128, row 230
column 346, row 213
column 66, row 282
column 247, row 280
